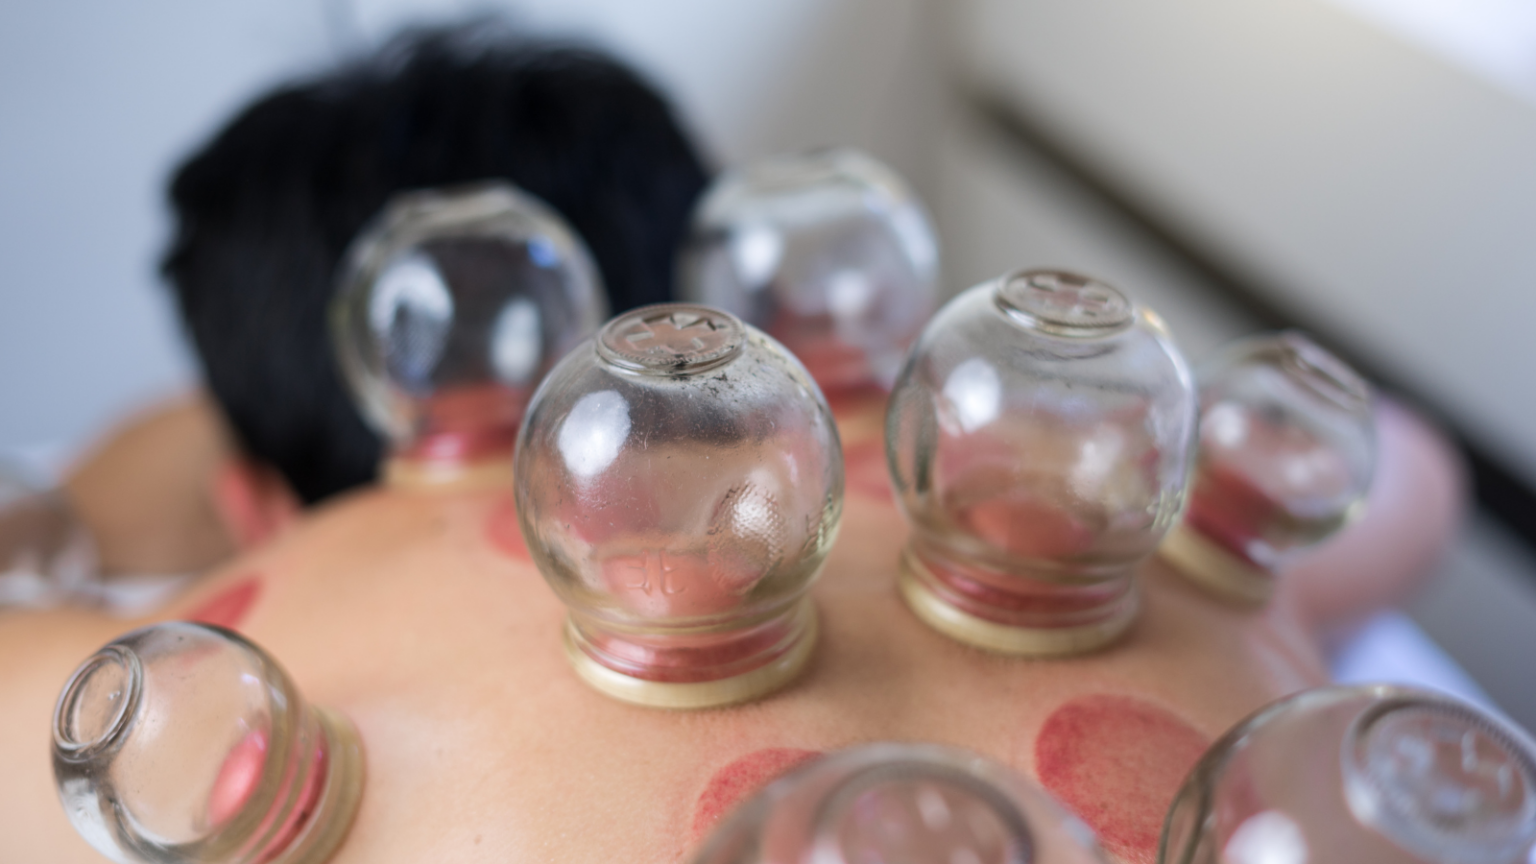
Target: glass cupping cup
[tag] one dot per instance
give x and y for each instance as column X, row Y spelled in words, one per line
column 901, row 804
column 679, row 483
column 827, row 250
column 1369, row 774
column 452, row 306
column 1039, row 440
column 181, row 742
column 1286, row 452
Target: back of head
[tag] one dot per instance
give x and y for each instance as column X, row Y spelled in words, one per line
column 266, row 210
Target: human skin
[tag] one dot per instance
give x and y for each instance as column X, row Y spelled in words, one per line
column 417, row 614
column 145, row 490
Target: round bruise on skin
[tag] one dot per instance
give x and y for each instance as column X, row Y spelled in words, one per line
column 229, row 607
column 1117, row 761
column 502, row 530
column 737, row 781
column 238, row 777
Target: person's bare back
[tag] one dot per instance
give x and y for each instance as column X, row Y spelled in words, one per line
column 419, row 615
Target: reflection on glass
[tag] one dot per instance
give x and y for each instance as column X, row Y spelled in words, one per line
column 1287, row 448
column 181, row 742
column 1366, row 775
column 679, row 482
column 453, row 305
column 1039, row 438
column 901, row 803
column 828, row 251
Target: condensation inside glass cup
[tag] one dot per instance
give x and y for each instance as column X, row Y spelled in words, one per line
column 456, row 310
column 829, row 252
column 680, row 474
column 1287, row 448
column 163, row 738
column 1042, row 428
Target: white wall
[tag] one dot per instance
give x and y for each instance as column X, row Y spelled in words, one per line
column 96, row 99
column 99, row 99
column 1368, row 186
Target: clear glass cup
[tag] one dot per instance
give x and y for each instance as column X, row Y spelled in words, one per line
column 182, row 742
column 1370, row 774
column 47, row 555
column 1287, row 448
column 1039, row 441
column 901, row 804
column 679, row 483
column 828, row 251
column 452, row 306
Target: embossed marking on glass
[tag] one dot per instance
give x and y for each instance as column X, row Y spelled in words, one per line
column 679, row 341
column 1364, row 775
column 1065, row 303
column 901, row 804
column 679, row 483
column 181, row 742
column 452, row 306
column 828, row 251
column 1287, row 448
column 1038, row 439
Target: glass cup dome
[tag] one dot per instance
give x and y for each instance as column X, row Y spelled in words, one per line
column 901, row 804
column 183, row 742
column 1287, row 448
column 1360, row 775
column 451, row 307
column 679, row 483
column 1039, row 438
column 828, row 251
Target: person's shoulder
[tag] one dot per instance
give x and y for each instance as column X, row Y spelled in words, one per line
column 142, row 489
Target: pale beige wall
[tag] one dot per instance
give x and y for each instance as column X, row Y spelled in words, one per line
column 1365, row 184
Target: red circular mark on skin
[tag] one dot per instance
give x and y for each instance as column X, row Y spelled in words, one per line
column 237, row 777
column 1117, row 762
column 229, row 607
column 865, row 471
column 738, row 780
column 469, row 422
column 1027, row 526
column 502, row 530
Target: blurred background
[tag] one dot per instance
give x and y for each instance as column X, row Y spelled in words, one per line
column 1365, row 169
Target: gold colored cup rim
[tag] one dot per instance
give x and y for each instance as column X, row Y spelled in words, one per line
column 1215, row 569
column 337, row 806
column 734, row 690
column 966, row 628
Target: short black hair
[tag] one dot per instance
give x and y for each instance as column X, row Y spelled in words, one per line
column 266, row 210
